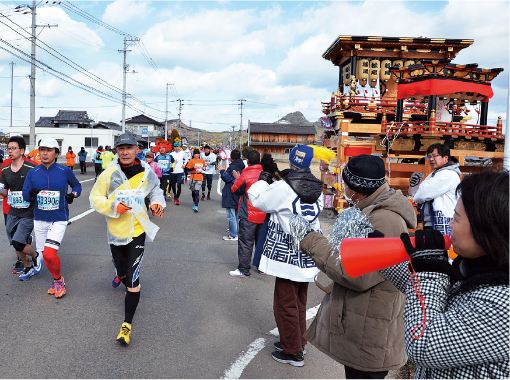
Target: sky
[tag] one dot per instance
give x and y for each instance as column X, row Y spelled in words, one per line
column 213, row 54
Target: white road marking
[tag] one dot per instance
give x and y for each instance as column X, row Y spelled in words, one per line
column 80, row 216
column 90, row 179
column 237, row 367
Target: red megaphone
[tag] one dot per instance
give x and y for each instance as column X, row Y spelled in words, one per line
column 362, row 256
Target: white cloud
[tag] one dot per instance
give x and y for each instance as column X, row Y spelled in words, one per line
column 122, row 12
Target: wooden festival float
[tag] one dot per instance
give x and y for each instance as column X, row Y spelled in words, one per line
column 396, row 97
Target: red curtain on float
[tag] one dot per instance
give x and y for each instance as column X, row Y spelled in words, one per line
column 442, row 86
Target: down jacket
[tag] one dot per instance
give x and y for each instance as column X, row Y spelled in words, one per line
column 228, row 198
column 360, row 323
column 242, row 184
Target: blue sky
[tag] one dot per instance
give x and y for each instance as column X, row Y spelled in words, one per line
column 214, row 53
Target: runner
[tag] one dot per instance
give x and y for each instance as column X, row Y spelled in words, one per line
column 119, row 195
column 177, row 176
column 20, row 219
column 34, row 155
column 196, row 165
column 187, row 156
column 164, row 160
column 210, row 169
column 98, row 162
column 47, row 184
column 107, row 156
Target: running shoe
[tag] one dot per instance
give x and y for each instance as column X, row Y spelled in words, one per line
column 237, row 273
column 116, row 282
column 58, row 287
column 195, row 208
column 38, row 263
column 27, row 273
column 169, row 195
column 208, row 197
column 295, row 360
column 279, row 347
column 125, row 332
column 229, row 238
column 203, row 197
column 18, row 267
column 176, row 201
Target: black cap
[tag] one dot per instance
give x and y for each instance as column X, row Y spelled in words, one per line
column 364, row 173
column 196, row 151
column 126, row 139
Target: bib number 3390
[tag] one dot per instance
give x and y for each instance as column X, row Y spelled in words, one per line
column 48, row 200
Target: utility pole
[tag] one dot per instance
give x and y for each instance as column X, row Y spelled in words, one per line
column 127, row 42
column 166, row 114
column 32, row 81
column 180, row 108
column 198, row 138
column 234, row 134
column 241, row 127
column 12, row 86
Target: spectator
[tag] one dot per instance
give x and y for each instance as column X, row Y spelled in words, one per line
column 82, row 156
column 298, row 193
column 360, row 324
column 436, row 195
column 466, row 303
column 250, row 218
column 247, row 149
column 70, row 156
column 229, row 200
column 98, row 162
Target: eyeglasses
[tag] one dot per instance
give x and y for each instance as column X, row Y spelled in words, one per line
column 12, row 148
column 433, row 157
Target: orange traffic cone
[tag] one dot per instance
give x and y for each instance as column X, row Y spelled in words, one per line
column 362, row 256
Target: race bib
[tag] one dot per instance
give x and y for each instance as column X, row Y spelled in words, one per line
column 199, row 168
column 48, row 200
column 15, row 199
column 163, row 164
column 130, row 197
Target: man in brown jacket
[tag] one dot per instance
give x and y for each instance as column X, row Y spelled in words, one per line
column 360, row 323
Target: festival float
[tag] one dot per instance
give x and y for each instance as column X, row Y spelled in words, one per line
column 397, row 96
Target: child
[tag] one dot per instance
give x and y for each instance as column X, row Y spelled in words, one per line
column 149, row 158
column 196, row 165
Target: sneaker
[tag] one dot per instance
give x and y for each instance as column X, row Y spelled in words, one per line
column 116, row 282
column 195, row 208
column 125, row 332
column 237, row 273
column 208, row 196
column 176, row 201
column 279, row 347
column 58, row 288
column 295, row 360
column 230, row 238
column 169, row 195
column 18, row 267
column 26, row 274
column 38, row 263
column 203, row 197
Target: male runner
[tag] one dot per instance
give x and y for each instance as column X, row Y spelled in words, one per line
column 177, row 176
column 210, row 169
column 187, row 156
column 47, row 184
column 119, row 195
column 20, row 219
column 165, row 161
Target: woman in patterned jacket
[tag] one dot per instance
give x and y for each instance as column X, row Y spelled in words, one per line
column 466, row 330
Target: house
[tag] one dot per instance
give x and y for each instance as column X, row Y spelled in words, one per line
column 136, row 124
column 279, row 137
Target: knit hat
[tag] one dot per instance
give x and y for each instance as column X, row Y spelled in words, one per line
column 364, row 173
column 301, row 156
column 176, row 144
column 247, row 149
column 196, row 151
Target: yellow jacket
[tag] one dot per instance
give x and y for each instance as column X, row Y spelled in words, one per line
column 107, row 157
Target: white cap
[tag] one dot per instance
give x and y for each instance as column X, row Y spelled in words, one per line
column 49, row 142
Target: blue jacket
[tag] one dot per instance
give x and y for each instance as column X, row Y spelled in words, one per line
column 54, row 178
column 165, row 170
column 228, row 198
column 82, row 155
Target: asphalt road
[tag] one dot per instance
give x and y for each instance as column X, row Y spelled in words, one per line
column 194, row 320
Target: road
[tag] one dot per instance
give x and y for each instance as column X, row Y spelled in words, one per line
column 194, row 320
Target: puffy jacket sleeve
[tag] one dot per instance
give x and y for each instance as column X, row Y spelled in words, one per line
column 433, row 187
column 238, row 183
column 317, row 247
column 99, row 196
column 156, row 195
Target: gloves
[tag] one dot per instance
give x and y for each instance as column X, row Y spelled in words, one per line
column 158, row 210
column 70, row 198
column 122, row 208
column 429, row 254
column 268, row 177
column 33, row 192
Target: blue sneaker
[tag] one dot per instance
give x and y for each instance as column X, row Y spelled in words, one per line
column 38, row 263
column 18, row 267
column 27, row 273
column 195, row 208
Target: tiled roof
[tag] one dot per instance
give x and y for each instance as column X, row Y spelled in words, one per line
column 282, row 128
column 109, row 125
column 44, row 121
column 76, row 116
column 143, row 119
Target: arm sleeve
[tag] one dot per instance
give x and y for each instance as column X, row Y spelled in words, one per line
column 436, row 186
column 73, row 182
column 237, row 184
column 226, row 177
column 98, row 197
column 317, row 247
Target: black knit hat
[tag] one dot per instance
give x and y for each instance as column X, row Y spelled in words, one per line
column 364, row 173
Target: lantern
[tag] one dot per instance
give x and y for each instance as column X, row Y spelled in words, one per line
column 363, row 71
column 346, row 75
column 385, row 73
column 398, row 63
column 375, row 68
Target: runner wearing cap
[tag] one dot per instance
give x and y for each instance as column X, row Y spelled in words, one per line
column 177, row 176
column 187, row 156
column 210, row 169
column 119, row 194
column 47, row 184
column 20, row 219
column 107, row 156
column 165, row 161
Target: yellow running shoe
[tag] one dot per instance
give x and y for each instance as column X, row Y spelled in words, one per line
column 125, row 331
